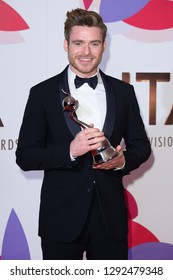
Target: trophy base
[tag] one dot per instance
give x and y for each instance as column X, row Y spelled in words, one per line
column 105, row 155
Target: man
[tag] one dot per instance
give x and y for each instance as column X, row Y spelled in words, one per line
column 82, row 206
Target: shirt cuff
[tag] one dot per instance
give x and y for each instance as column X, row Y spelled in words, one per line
column 121, row 167
column 72, row 158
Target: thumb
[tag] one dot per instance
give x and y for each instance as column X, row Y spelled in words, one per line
column 91, row 125
column 119, row 148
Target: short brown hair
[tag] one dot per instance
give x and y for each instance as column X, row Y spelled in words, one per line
column 81, row 17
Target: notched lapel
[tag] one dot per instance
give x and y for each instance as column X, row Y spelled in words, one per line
column 111, row 108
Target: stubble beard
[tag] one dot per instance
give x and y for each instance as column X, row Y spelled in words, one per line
column 86, row 68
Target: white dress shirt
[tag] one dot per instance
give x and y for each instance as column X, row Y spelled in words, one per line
column 92, row 103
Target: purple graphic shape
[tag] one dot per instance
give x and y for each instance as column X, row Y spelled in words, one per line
column 15, row 246
column 115, row 10
column 151, row 251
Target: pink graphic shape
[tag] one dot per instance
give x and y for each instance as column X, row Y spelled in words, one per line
column 87, row 3
column 15, row 246
column 10, row 20
column 156, row 15
column 138, row 234
column 143, row 35
column 11, row 38
column 131, row 205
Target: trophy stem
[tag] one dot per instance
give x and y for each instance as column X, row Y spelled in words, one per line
column 82, row 124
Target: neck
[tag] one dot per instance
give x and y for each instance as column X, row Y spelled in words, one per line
column 83, row 75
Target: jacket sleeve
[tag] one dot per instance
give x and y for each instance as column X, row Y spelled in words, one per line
column 138, row 147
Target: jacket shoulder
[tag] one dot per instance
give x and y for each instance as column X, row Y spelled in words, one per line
column 115, row 81
column 117, row 85
column 48, row 86
column 46, row 83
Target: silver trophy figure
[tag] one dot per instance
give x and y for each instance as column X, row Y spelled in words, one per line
column 103, row 154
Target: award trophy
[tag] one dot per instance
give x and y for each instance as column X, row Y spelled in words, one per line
column 103, row 154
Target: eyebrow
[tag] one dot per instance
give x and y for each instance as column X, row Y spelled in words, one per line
column 93, row 41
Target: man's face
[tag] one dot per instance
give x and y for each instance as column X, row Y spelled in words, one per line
column 85, row 49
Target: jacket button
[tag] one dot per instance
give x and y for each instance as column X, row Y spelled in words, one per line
column 88, row 189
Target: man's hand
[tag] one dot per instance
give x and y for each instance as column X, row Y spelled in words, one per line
column 86, row 140
column 116, row 162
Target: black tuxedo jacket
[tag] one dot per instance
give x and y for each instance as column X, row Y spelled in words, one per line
column 67, row 188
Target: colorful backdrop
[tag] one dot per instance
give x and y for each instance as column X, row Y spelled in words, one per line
column 139, row 51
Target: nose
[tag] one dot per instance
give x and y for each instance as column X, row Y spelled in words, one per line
column 86, row 49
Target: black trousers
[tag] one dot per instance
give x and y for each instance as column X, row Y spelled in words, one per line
column 94, row 240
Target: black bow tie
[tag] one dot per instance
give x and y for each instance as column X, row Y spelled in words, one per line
column 92, row 82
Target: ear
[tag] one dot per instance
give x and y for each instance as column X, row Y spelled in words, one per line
column 104, row 45
column 65, row 45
